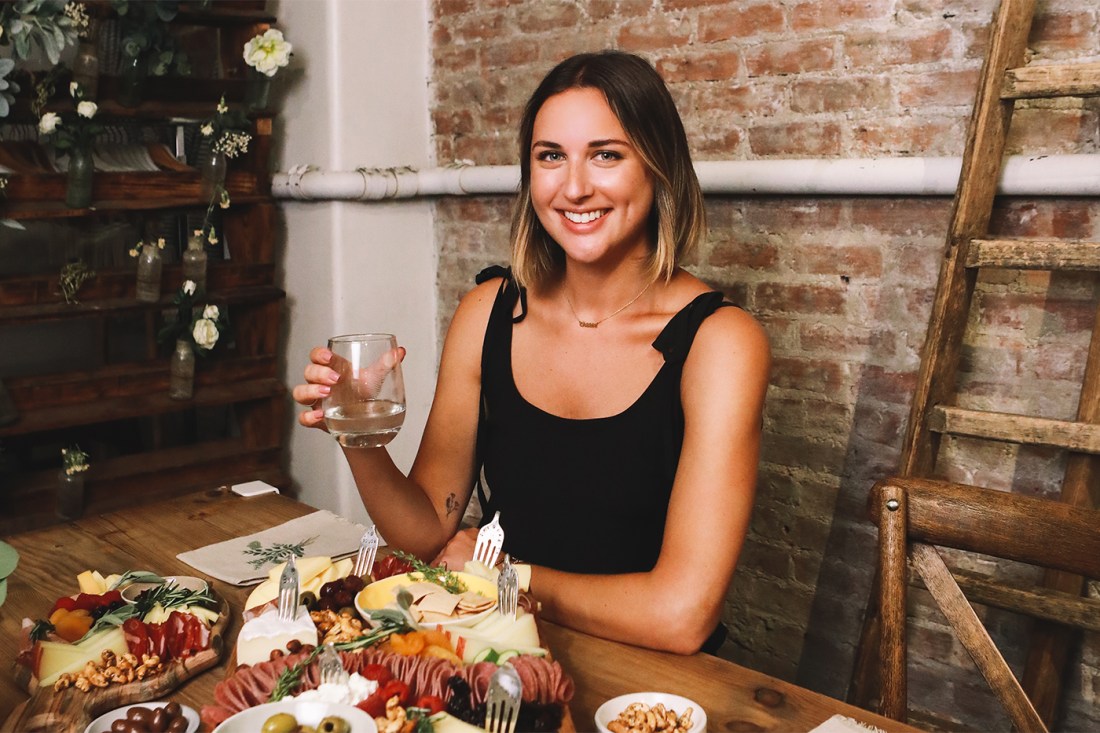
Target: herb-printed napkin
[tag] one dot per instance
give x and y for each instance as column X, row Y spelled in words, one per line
column 246, row 560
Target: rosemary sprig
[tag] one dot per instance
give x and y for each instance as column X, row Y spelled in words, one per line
column 440, row 576
column 291, row 677
column 168, row 595
column 40, row 629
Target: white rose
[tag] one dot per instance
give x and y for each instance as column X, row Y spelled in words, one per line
column 211, row 312
column 267, row 53
column 73, row 86
column 49, row 123
column 87, row 109
column 207, row 130
column 189, row 287
column 205, row 333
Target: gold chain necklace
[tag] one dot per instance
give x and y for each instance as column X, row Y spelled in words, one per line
column 594, row 324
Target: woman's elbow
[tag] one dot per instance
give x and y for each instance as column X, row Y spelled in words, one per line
column 686, row 626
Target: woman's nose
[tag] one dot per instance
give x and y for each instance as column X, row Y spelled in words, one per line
column 578, row 185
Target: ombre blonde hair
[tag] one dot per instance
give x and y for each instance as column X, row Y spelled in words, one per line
column 640, row 100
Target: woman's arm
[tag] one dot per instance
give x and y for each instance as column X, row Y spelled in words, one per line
column 420, row 512
column 676, row 606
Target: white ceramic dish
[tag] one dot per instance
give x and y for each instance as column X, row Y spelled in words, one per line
column 187, row 582
column 102, row 724
column 381, row 593
column 611, row 709
column 307, row 712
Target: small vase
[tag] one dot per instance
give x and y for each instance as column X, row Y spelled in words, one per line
column 150, row 265
column 181, row 381
column 194, row 262
column 86, row 70
column 212, row 174
column 257, row 90
column 69, row 501
column 131, row 87
column 78, row 190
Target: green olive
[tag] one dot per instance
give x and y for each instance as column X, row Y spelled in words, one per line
column 308, row 599
column 280, row 723
column 332, row 724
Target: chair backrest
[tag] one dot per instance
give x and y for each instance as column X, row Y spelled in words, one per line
column 916, row 515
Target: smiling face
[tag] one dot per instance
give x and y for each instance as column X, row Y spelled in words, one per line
column 589, row 186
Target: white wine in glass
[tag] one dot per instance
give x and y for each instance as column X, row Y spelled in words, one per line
column 366, row 407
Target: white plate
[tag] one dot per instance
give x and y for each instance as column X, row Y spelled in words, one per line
column 381, row 593
column 611, row 709
column 307, row 712
column 102, row 724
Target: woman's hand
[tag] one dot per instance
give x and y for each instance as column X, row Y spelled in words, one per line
column 458, row 550
column 321, row 374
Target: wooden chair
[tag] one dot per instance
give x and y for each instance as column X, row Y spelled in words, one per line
column 914, row 515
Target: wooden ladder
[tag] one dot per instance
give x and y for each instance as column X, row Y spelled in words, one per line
column 1004, row 79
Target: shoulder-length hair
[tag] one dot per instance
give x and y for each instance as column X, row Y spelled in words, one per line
column 640, row 100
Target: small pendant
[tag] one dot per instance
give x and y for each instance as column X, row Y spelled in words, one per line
column 588, row 324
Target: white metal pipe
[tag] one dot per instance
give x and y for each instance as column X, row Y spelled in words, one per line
column 1047, row 175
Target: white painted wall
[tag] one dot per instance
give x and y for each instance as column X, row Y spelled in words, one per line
column 356, row 95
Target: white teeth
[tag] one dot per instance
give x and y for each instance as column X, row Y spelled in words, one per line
column 585, row 217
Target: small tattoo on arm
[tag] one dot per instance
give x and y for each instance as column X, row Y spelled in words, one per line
column 452, row 504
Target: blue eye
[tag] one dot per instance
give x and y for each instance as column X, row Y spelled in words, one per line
column 551, row 156
column 608, row 155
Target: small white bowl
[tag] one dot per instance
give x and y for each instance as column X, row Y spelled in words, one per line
column 187, row 582
column 307, row 712
column 611, row 709
column 102, row 724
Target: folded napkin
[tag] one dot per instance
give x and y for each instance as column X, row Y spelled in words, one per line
column 843, row 724
column 246, row 560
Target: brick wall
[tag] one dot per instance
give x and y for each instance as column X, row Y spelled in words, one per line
column 843, row 285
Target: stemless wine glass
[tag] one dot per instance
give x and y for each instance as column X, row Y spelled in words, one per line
column 366, row 407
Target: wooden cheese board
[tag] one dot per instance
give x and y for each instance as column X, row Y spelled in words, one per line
column 72, row 710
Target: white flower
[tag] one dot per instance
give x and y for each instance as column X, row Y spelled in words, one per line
column 207, row 130
column 87, row 109
column 211, row 313
column 267, row 53
column 205, row 333
column 49, row 123
column 73, row 86
column 189, row 287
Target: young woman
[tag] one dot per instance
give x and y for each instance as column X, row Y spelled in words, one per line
column 611, row 398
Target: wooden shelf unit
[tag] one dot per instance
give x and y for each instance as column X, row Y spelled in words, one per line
column 101, row 376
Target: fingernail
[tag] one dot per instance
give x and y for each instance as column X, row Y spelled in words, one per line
column 325, row 391
column 332, row 378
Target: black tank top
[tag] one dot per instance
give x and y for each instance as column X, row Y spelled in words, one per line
column 582, row 495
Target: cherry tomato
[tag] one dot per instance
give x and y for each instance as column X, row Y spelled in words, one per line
column 395, row 687
column 374, row 706
column 65, row 602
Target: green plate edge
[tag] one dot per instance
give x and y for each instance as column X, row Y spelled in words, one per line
column 9, row 558
column 3, row 590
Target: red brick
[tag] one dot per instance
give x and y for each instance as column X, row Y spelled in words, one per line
column 939, row 88
column 815, row 299
column 798, row 139
column 654, row 33
column 673, row 5
column 823, row 337
column 511, row 53
column 779, row 214
column 732, row 253
column 1072, row 222
column 879, row 50
column 887, row 386
column 791, row 57
column 1037, row 313
column 705, row 66
column 759, row 98
column 902, row 216
column 1064, row 32
column 800, row 452
column 840, row 95
column 911, row 135
column 833, row 14
column 547, row 14
column 853, row 262
column 451, row 58
column 740, row 22
column 444, row 8
column 1051, row 131
column 477, row 27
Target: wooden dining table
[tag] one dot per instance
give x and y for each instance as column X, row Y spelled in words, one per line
column 149, row 537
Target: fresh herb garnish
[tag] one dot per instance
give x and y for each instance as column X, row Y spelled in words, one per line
column 291, row 677
column 440, row 576
column 276, row 552
column 135, row 576
column 168, row 595
column 40, row 629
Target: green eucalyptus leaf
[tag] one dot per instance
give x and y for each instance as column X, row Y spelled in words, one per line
column 13, row 224
column 4, row 105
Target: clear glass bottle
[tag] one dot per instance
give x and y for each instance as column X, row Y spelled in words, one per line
column 150, row 266
column 212, row 170
column 86, row 69
column 257, row 90
column 131, row 81
column 194, row 261
column 78, row 187
column 69, row 500
column 181, row 379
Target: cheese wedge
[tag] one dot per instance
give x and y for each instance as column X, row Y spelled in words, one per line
column 54, row 657
column 523, row 572
column 312, row 575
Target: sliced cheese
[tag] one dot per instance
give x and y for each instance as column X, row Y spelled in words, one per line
column 523, row 572
column 55, row 657
column 90, row 581
column 447, row 723
column 313, row 572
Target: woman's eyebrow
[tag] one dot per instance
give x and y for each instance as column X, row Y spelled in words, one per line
column 591, row 144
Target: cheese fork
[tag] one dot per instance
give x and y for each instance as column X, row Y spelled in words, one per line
column 503, row 701
column 368, row 548
column 508, row 588
column 490, row 539
column 289, row 590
